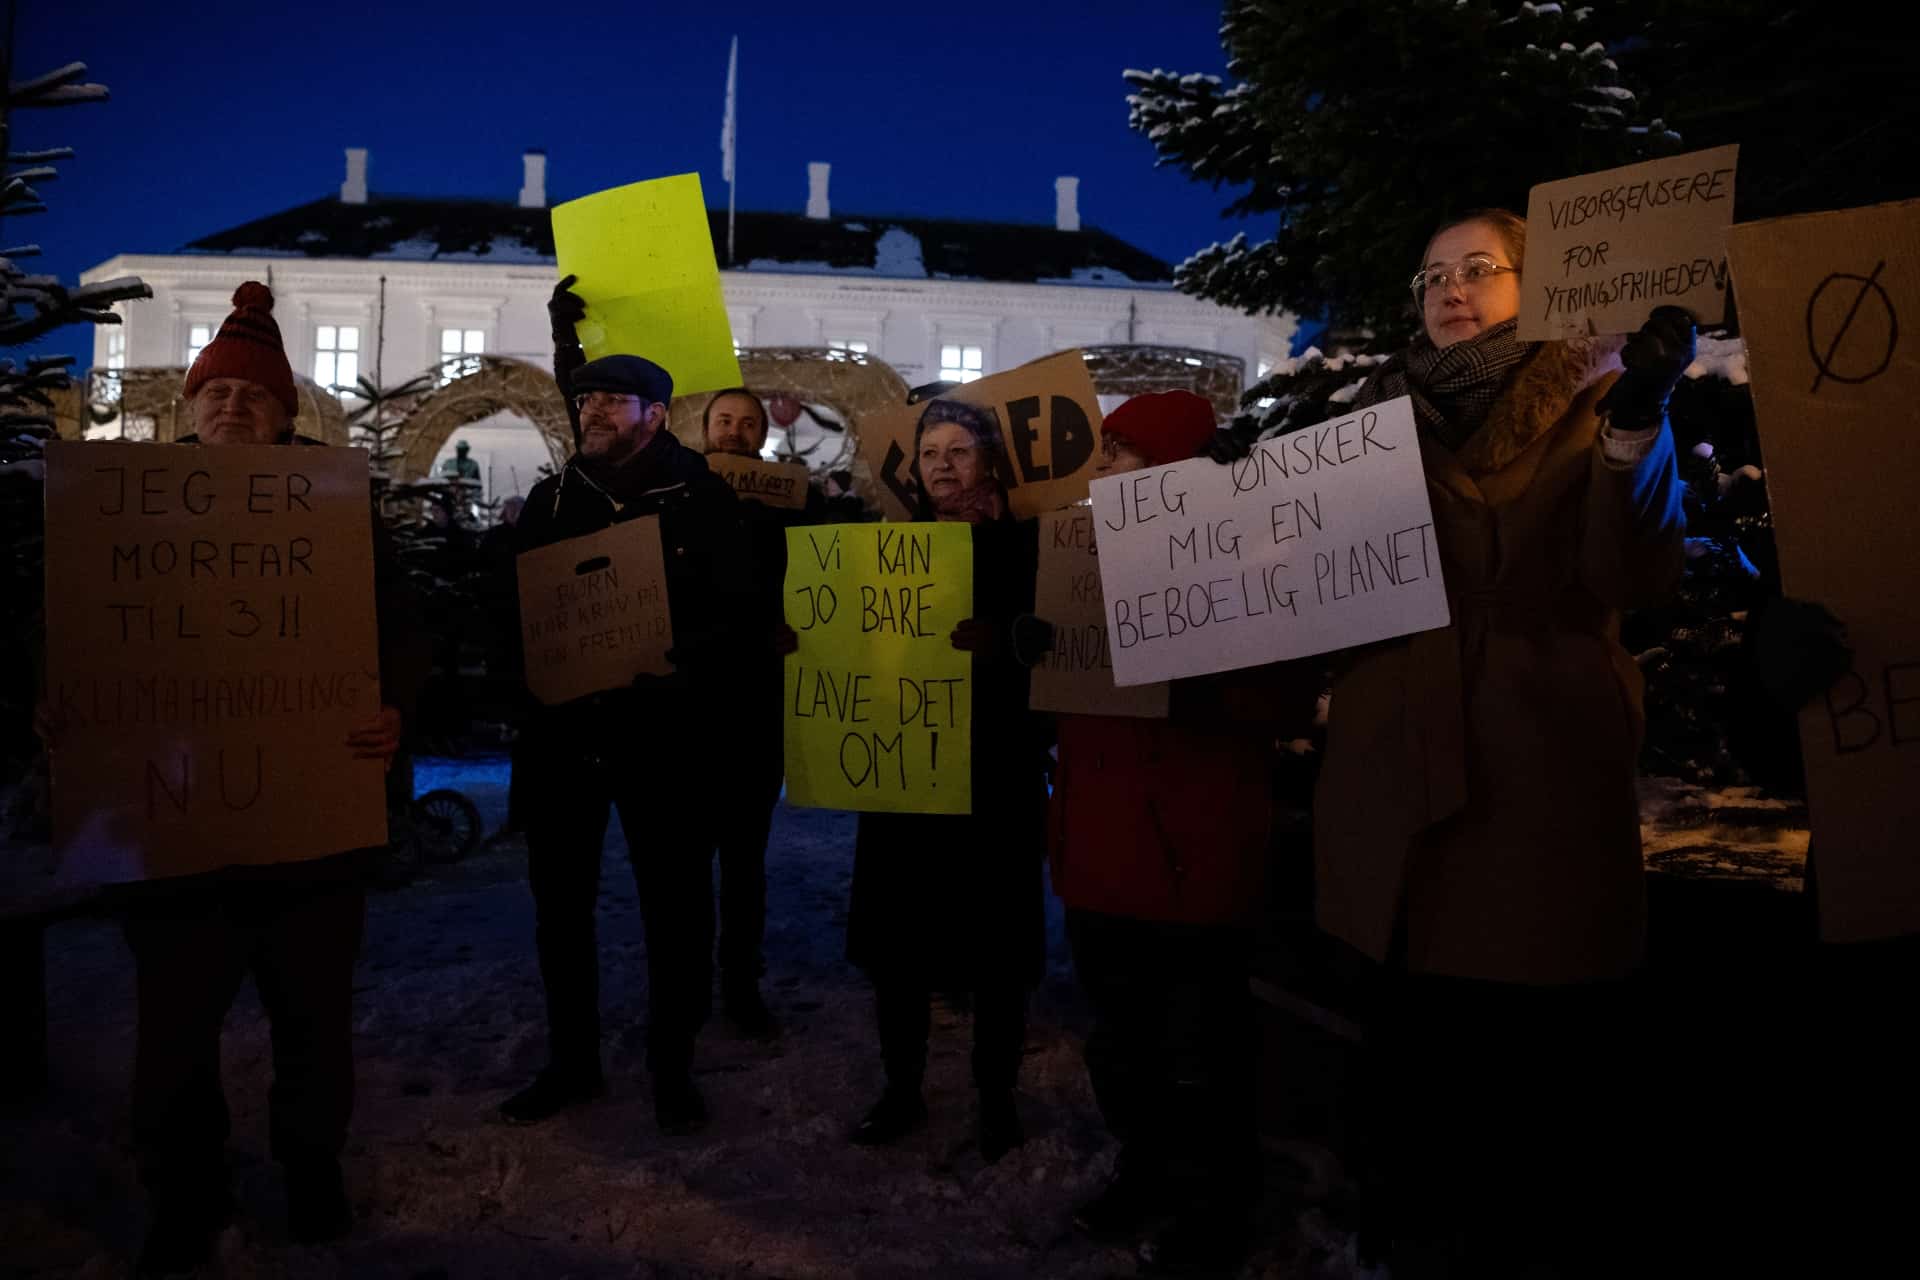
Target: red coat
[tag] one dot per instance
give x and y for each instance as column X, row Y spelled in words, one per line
column 1169, row 819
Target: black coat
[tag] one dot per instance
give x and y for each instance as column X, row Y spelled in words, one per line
column 709, row 584
column 957, row 901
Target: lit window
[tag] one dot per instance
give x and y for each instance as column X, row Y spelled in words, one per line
column 857, row 346
column 116, row 347
column 459, row 352
column 336, row 356
column 198, row 336
column 960, row 363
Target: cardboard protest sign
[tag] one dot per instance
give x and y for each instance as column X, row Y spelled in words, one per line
column 773, row 484
column 1077, row 673
column 211, row 642
column 1605, row 249
column 644, row 255
column 1049, row 419
column 593, row 611
column 1835, row 378
column 1316, row 541
column 879, row 704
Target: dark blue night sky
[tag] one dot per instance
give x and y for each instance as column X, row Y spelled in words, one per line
column 225, row 111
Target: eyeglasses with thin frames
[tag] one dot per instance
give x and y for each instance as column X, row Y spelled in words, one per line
column 603, row 400
column 1471, row 272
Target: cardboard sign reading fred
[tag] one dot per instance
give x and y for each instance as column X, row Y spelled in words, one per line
column 1828, row 306
column 644, row 257
column 1605, row 249
column 1315, row 541
column 1077, row 673
column 773, row 484
column 879, row 704
column 593, row 611
column 211, row 642
column 1049, row 421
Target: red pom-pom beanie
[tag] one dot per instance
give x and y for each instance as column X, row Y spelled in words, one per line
column 248, row 346
column 1164, row 426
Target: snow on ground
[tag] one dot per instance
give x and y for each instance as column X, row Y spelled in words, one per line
column 450, row 1020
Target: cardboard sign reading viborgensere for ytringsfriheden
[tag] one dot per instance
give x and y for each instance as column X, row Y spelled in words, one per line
column 593, row 611
column 1835, row 377
column 211, row 643
column 1605, row 249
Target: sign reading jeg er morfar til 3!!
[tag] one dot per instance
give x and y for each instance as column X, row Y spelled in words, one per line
column 1316, row 541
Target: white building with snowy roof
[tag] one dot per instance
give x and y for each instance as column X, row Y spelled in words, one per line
column 409, row 284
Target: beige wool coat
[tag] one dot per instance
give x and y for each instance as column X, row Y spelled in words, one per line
column 1479, row 779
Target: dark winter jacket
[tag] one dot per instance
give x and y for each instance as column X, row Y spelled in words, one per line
column 708, row 568
column 957, row 901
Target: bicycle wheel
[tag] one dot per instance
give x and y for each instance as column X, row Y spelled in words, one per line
column 447, row 825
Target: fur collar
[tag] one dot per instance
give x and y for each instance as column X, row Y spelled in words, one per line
column 1543, row 389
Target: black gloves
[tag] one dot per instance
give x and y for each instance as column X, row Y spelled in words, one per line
column 1227, row 445
column 564, row 310
column 1032, row 639
column 1798, row 649
column 1654, row 358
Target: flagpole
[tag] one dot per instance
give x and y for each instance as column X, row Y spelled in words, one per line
column 727, row 146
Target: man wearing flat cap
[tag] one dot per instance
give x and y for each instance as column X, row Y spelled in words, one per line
column 642, row 750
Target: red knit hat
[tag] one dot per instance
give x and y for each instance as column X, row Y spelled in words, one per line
column 1164, row 426
column 248, row 346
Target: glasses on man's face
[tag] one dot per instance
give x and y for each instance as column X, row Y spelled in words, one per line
column 1471, row 272
column 607, row 401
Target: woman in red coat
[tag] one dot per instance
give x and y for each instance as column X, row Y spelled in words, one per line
column 1159, row 850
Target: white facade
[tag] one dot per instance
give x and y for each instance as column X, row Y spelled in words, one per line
column 328, row 313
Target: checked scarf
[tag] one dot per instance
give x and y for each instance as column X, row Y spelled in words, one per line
column 1454, row 387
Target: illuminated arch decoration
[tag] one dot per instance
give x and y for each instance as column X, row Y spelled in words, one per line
column 836, row 391
column 1132, row 369
column 500, row 385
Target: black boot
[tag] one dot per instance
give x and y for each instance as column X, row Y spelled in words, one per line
column 184, row 1229
column 899, row 1112
column 552, row 1091
column 746, row 1010
column 317, row 1208
column 1000, row 1128
column 677, row 1105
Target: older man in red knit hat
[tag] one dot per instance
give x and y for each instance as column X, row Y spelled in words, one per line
column 295, row 926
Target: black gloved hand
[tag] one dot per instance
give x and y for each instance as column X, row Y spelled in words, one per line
column 1655, row 357
column 980, row 638
column 1798, row 648
column 1032, row 640
column 565, row 309
column 1227, row 445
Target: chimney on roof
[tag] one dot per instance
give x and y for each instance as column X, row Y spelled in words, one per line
column 817, row 206
column 1066, row 204
column 354, row 189
column 533, row 179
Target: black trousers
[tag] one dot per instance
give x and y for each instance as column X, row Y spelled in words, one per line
column 669, row 839
column 904, row 1010
column 745, row 820
column 1173, row 1053
column 192, row 945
